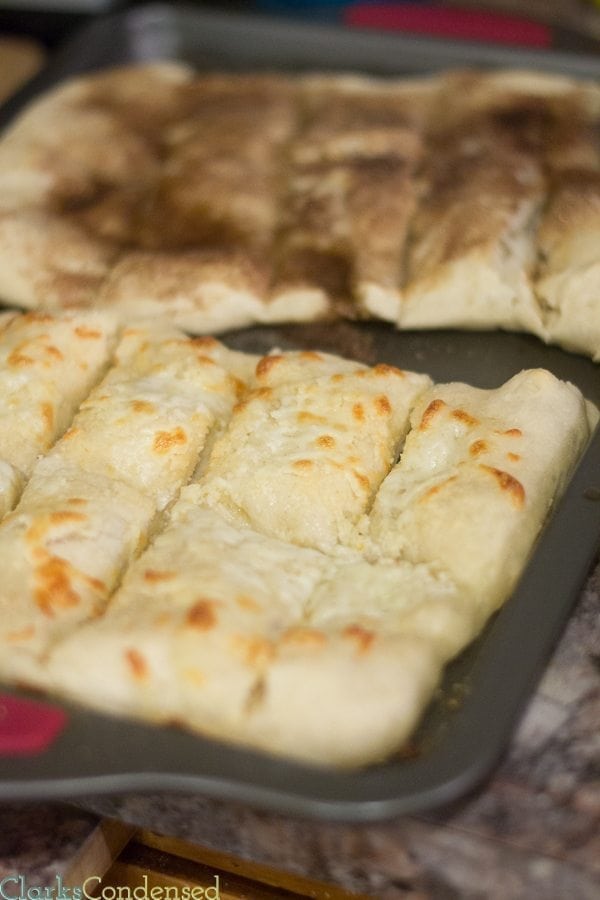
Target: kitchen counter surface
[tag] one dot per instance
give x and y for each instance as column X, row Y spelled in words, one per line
column 532, row 831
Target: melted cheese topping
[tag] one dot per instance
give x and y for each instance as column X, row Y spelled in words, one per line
column 91, row 502
column 478, row 473
column 47, row 366
column 147, row 422
column 302, row 459
column 304, row 592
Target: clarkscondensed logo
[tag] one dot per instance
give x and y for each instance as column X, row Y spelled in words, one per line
column 16, row 887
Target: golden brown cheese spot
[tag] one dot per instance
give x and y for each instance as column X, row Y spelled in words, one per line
column 22, row 634
column 433, row 491
column 383, row 369
column 54, row 589
column 358, row 412
column 478, row 447
column 154, row 576
column 463, row 416
column 245, row 602
column 48, row 416
column 143, row 406
column 304, row 637
column 326, row 441
column 512, row 432
column 382, row 405
column 164, row 441
column 17, row 359
column 205, row 360
column 302, row 464
column 95, row 583
column 339, row 377
column 42, row 318
column 36, row 533
column 239, row 386
column 53, row 351
column 513, row 488
column 254, row 650
column 311, row 356
column 514, row 457
column 362, row 636
column 362, row 480
column 64, row 516
column 88, row 334
column 308, row 418
column 262, row 393
column 267, row 363
column 201, row 615
column 71, row 433
column 432, row 410
column 136, row 664
column 204, row 343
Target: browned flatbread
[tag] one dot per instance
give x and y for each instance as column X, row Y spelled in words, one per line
column 227, row 200
column 351, row 192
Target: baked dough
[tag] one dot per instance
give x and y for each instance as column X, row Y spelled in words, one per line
column 569, row 275
column 214, row 627
column 305, row 451
column 330, row 657
column 478, row 475
column 302, row 563
column 351, row 192
column 47, row 366
column 92, row 501
column 233, row 199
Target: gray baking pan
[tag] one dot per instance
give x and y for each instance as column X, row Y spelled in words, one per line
column 471, row 718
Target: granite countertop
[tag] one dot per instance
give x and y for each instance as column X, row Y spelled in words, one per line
column 533, row 830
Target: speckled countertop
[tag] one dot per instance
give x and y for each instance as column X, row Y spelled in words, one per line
column 532, row 831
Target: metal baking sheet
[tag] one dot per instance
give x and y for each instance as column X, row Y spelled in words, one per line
column 469, row 723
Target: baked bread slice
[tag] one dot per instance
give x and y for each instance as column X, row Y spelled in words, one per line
column 304, row 453
column 332, row 582
column 93, row 500
column 351, row 192
column 90, row 135
column 233, row 199
column 477, row 477
column 330, row 657
column 47, row 366
column 210, row 630
column 568, row 282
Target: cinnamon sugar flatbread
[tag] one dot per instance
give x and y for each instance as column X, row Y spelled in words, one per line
column 235, row 199
column 351, row 192
column 568, row 276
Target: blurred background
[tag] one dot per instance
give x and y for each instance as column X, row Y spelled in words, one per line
column 29, row 29
column 574, row 24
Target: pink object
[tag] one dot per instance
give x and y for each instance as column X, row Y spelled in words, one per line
column 28, row 727
column 448, row 22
